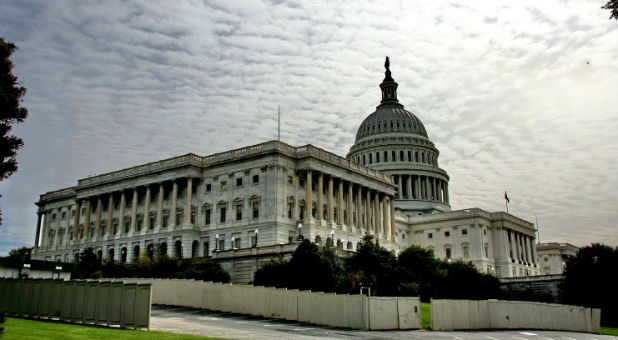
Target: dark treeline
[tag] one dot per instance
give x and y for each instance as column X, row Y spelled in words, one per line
column 415, row 272
column 90, row 267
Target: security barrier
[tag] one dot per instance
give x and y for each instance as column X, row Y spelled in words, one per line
column 92, row 302
column 327, row 309
column 488, row 314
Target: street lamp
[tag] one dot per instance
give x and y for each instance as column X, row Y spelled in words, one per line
column 300, row 231
column 256, row 238
column 217, row 242
column 332, row 238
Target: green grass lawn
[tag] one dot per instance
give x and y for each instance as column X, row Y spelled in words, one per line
column 609, row 331
column 426, row 315
column 20, row 329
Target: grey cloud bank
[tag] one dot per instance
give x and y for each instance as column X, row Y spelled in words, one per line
column 517, row 97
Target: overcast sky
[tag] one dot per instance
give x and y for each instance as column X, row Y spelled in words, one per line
column 519, row 96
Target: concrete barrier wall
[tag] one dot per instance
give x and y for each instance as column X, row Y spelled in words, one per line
column 95, row 302
column 336, row 310
column 487, row 314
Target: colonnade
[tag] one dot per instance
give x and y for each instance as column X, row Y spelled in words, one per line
column 358, row 207
column 521, row 248
column 420, row 187
column 105, row 223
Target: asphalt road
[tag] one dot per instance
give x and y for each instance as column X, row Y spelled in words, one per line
column 225, row 325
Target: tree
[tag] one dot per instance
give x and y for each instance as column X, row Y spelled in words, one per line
column 373, row 266
column 612, row 6
column 590, row 280
column 11, row 112
column 89, row 265
column 20, row 254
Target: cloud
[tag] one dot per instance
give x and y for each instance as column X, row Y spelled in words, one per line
column 516, row 96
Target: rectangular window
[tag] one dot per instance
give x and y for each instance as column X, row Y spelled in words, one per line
column 53, row 216
column 290, row 209
column 466, row 252
column 127, row 225
column 237, row 242
column 179, row 218
column 152, row 222
column 139, row 225
column 239, row 182
column 63, row 215
column 222, row 215
column 464, row 231
column 208, row 187
column 166, row 220
column 447, row 233
column 238, row 212
column 430, row 235
column 255, row 206
column 256, row 179
column 207, row 216
column 290, row 180
column 221, row 244
column 83, row 211
column 223, row 185
column 72, row 213
column 192, row 218
column 448, row 253
column 115, row 228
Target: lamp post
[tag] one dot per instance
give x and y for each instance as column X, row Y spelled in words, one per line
column 217, row 242
column 300, row 231
column 256, row 238
column 233, row 245
column 332, row 238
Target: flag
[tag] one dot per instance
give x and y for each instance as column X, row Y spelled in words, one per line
column 506, row 197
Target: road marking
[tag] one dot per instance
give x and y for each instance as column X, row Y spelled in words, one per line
column 490, row 338
column 527, row 333
column 516, row 337
column 456, row 337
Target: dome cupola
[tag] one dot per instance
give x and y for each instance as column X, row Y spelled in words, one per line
column 393, row 140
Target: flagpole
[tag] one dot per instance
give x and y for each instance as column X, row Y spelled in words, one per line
column 538, row 238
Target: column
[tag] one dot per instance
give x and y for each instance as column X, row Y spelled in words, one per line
column 159, row 221
column 146, row 220
column 340, row 203
column 527, row 248
column 97, row 223
column 400, row 185
column 516, row 240
column 123, row 204
column 417, row 184
column 174, row 202
column 534, row 255
column 320, row 203
column 358, row 210
column 446, row 198
column 78, row 208
column 393, row 228
column 376, row 213
column 87, row 222
column 110, row 214
column 133, row 211
column 349, row 203
column 427, row 189
column 331, row 210
column 384, row 225
column 38, row 230
column 308, row 197
column 409, row 183
column 188, row 201
column 368, row 211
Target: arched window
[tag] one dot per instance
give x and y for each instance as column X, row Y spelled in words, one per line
column 339, row 244
column 394, row 156
column 378, row 157
column 349, row 245
column 123, row 255
column 150, row 250
column 401, row 155
column 386, row 156
column 135, row 252
column 370, row 158
column 163, row 249
column 409, row 156
column 178, row 249
column 363, row 159
column 110, row 254
column 318, row 240
column 195, row 247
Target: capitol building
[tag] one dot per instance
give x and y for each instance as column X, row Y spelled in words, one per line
column 246, row 206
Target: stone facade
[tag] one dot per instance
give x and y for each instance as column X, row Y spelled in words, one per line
column 192, row 206
column 553, row 256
